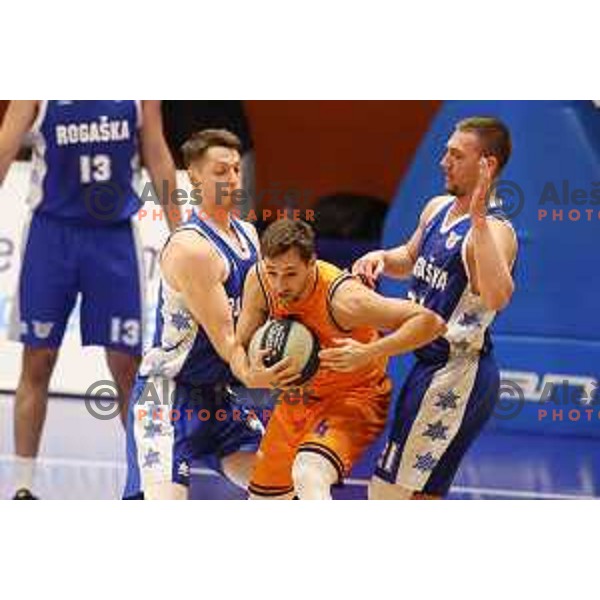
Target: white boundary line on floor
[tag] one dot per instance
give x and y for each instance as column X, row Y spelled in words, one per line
column 506, row 493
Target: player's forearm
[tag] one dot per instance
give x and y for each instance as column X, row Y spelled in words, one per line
column 4, row 166
column 397, row 263
column 494, row 280
column 417, row 331
column 223, row 344
column 7, row 155
column 239, row 364
column 162, row 174
column 17, row 120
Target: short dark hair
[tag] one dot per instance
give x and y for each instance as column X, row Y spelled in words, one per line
column 198, row 143
column 493, row 135
column 284, row 234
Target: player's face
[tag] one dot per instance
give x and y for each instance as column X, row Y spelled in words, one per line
column 461, row 163
column 217, row 175
column 289, row 276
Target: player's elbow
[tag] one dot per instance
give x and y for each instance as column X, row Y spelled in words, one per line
column 434, row 324
column 429, row 325
column 498, row 298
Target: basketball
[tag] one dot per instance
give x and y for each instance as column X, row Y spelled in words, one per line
column 287, row 338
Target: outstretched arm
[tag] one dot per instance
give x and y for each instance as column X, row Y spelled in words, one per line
column 17, row 121
column 397, row 262
column 157, row 159
column 354, row 305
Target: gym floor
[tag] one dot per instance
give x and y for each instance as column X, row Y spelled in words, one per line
column 498, row 466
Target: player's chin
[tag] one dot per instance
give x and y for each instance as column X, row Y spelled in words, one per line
column 227, row 204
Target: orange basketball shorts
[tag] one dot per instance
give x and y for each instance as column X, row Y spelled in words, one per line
column 338, row 428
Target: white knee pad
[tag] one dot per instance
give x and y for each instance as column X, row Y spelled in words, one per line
column 313, row 476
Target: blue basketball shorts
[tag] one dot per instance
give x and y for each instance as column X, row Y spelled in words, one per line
column 170, row 425
column 102, row 264
column 441, row 409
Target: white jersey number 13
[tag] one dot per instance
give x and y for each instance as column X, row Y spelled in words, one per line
column 94, row 168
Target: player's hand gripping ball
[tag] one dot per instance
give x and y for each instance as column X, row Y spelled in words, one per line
column 278, row 339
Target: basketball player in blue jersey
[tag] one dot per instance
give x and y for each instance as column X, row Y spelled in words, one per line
column 179, row 410
column 80, row 239
column 459, row 261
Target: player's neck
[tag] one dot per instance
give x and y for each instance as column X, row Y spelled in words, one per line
column 461, row 205
column 218, row 216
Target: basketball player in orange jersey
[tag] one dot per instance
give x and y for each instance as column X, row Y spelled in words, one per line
column 312, row 444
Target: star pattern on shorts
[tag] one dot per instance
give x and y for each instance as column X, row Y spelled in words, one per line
column 180, row 320
column 469, row 319
column 152, row 429
column 462, row 346
column 159, row 366
column 152, row 457
column 447, row 400
column 436, row 431
column 425, row 462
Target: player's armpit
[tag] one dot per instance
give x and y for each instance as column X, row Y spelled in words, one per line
column 413, row 245
column 192, row 267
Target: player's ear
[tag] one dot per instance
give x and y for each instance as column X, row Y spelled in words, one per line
column 493, row 165
column 192, row 177
column 194, row 174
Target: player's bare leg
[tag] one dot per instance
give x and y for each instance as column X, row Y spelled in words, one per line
column 165, row 491
column 290, row 496
column 31, row 403
column 123, row 367
column 382, row 490
column 313, row 476
column 238, row 467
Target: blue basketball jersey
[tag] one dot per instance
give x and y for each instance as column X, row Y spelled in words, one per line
column 440, row 282
column 85, row 160
column 181, row 348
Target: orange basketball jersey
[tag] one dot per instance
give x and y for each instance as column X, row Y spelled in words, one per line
column 314, row 311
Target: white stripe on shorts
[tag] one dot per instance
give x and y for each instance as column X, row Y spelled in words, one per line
column 154, row 432
column 139, row 253
column 453, row 383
